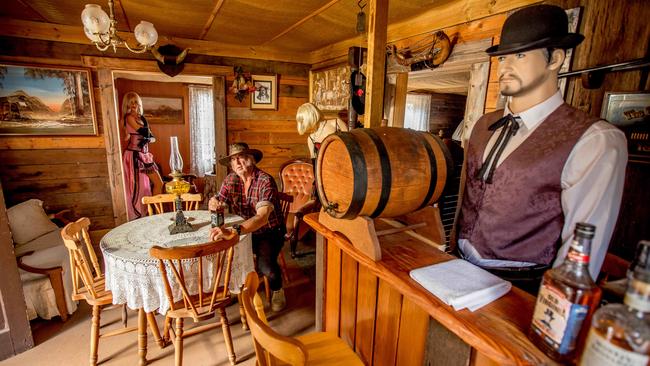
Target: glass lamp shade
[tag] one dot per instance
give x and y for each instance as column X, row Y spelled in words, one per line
column 95, row 20
column 92, row 37
column 146, row 34
column 175, row 159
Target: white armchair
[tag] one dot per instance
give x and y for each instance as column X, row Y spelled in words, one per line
column 43, row 261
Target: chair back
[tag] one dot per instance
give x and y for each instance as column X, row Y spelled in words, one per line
column 182, row 268
column 269, row 345
column 297, row 179
column 84, row 267
column 285, row 204
column 157, row 204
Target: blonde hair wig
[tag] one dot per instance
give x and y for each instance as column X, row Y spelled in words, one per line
column 307, row 118
column 126, row 102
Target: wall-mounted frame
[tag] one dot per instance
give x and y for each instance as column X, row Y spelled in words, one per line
column 265, row 95
column 574, row 21
column 626, row 109
column 46, row 100
column 163, row 110
column 329, row 88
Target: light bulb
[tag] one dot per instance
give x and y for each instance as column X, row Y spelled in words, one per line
column 95, row 19
column 146, row 34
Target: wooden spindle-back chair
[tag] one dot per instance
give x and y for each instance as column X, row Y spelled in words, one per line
column 272, row 348
column 157, row 204
column 88, row 280
column 200, row 303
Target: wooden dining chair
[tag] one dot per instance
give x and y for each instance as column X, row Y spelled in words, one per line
column 88, row 280
column 271, row 348
column 183, row 270
column 161, row 203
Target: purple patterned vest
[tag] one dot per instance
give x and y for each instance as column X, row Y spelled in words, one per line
column 519, row 216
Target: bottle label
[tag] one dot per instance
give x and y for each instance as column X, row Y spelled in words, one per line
column 557, row 320
column 637, row 301
column 598, row 351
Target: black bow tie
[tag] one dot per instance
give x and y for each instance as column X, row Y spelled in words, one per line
column 510, row 126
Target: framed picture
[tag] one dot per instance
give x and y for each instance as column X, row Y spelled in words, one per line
column 626, row 109
column 46, row 100
column 163, row 110
column 329, row 89
column 574, row 21
column 265, row 95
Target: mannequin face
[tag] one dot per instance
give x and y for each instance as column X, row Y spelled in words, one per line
column 521, row 73
column 134, row 106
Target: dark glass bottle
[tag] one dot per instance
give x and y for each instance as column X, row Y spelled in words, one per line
column 217, row 217
column 567, row 298
column 620, row 333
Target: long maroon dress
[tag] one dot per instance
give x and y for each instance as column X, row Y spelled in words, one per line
column 137, row 161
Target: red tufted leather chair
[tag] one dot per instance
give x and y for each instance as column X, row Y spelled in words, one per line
column 297, row 179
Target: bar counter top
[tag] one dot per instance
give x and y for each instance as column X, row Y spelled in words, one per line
column 497, row 330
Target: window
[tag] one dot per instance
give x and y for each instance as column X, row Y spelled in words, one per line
column 417, row 111
column 201, row 130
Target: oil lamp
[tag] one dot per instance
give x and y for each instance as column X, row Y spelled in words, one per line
column 177, row 186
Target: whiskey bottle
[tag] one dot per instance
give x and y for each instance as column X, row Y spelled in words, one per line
column 620, row 333
column 217, row 217
column 567, row 298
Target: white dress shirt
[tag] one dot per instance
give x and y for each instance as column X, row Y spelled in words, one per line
column 592, row 183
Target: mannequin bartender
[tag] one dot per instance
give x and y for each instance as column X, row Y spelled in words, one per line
column 536, row 168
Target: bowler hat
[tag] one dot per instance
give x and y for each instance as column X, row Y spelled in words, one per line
column 539, row 26
column 240, row 148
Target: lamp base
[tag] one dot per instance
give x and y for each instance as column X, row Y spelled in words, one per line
column 180, row 224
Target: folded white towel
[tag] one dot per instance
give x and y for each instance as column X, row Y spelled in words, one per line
column 461, row 284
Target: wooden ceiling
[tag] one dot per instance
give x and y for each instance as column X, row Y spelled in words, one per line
column 305, row 31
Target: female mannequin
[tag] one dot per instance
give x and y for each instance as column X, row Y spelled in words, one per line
column 311, row 120
column 140, row 171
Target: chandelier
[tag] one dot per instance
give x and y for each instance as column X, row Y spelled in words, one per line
column 102, row 30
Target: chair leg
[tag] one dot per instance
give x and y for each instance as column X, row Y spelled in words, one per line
column 226, row 335
column 242, row 313
column 166, row 328
column 293, row 241
column 94, row 334
column 283, row 267
column 267, row 289
column 56, row 280
column 178, row 343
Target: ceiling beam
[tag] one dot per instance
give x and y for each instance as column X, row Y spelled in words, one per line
column 31, row 8
column 448, row 14
column 298, row 23
column 74, row 34
column 119, row 9
column 213, row 15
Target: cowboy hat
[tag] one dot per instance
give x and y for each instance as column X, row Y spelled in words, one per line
column 240, row 148
column 539, row 26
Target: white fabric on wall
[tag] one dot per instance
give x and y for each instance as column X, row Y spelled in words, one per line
column 416, row 115
column 201, row 130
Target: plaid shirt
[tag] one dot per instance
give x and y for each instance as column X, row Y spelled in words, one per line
column 262, row 191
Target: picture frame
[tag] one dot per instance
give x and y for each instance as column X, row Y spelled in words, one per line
column 329, row 88
column 43, row 100
column 163, row 110
column 573, row 15
column 265, row 95
column 626, row 109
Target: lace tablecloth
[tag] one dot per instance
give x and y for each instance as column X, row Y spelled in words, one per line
column 133, row 276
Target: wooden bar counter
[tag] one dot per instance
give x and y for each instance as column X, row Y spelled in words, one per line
column 389, row 319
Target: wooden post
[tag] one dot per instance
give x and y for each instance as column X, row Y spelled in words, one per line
column 377, row 27
column 220, row 132
column 112, row 142
column 399, row 107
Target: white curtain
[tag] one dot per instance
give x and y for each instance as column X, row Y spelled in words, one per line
column 201, row 130
column 417, row 111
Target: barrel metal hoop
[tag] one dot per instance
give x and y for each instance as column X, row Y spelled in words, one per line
column 449, row 162
column 434, row 171
column 360, row 175
column 386, row 173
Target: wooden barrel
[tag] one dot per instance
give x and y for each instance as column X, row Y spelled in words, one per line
column 381, row 172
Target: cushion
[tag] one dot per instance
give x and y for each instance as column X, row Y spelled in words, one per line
column 49, row 240
column 28, row 221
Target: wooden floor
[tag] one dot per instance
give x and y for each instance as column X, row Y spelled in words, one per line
column 67, row 343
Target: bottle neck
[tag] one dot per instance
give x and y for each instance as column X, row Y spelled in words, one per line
column 637, row 296
column 579, row 251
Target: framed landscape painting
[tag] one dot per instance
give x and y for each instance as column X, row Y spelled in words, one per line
column 163, row 110
column 46, row 100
